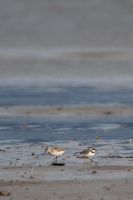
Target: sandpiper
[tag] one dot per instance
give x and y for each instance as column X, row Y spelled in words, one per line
column 55, row 151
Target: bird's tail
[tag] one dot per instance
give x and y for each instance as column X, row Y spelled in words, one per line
column 76, row 153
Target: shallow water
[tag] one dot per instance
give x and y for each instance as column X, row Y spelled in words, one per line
column 65, row 131
column 50, row 95
column 23, row 138
column 76, row 133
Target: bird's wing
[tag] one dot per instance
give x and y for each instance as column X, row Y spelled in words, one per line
column 85, row 151
column 59, row 149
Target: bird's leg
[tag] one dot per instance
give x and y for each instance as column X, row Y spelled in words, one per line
column 91, row 160
column 55, row 159
column 84, row 159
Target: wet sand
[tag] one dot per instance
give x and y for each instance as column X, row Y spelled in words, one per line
column 23, row 186
column 110, row 179
column 67, row 110
column 87, row 190
column 104, row 179
column 77, row 189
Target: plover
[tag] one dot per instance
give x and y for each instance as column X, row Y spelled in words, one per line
column 88, row 153
column 55, row 151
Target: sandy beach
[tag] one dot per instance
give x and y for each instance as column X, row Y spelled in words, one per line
column 23, row 186
column 76, row 189
column 86, row 190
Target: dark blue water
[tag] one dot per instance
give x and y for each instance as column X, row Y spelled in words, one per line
column 63, row 95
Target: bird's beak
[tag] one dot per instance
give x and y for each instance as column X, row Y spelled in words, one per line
column 44, row 152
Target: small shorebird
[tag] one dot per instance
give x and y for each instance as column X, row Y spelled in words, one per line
column 55, row 151
column 88, row 153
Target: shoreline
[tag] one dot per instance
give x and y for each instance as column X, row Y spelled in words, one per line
column 66, row 110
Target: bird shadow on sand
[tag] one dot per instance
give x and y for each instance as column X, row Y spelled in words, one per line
column 57, row 164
